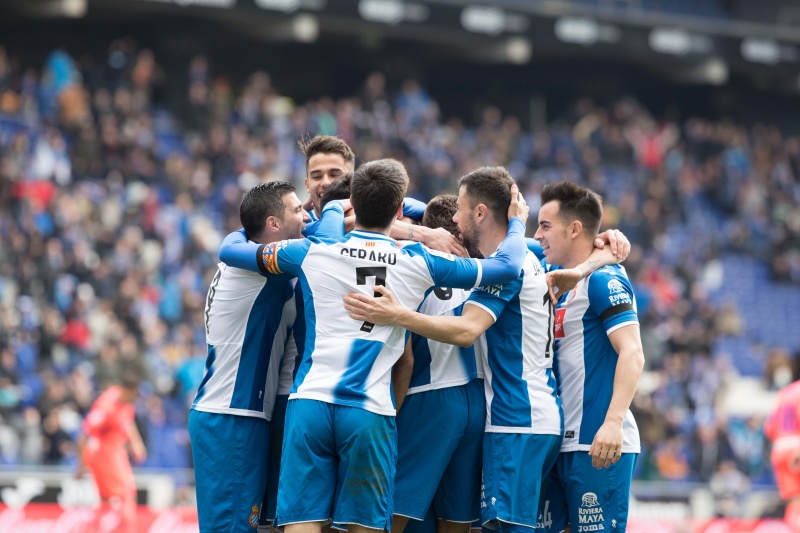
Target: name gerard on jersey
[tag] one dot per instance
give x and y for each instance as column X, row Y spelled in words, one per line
column 389, row 258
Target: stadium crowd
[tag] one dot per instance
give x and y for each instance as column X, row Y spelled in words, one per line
column 115, row 207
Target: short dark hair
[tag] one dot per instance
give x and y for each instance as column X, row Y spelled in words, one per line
column 339, row 189
column 490, row 186
column 377, row 192
column 326, row 144
column 261, row 202
column 575, row 203
column 439, row 213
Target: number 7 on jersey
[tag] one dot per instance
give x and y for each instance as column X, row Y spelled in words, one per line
column 362, row 273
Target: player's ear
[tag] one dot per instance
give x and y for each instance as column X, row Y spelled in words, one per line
column 400, row 212
column 481, row 212
column 273, row 223
column 576, row 228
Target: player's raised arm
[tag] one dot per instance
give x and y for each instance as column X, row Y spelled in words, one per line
column 331, row 224
column 413, row 208
column 435, row 239
column 501, row 267
column 563, row 280
column 278, row 257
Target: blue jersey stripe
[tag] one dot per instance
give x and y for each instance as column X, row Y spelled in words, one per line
column 600, row 363
column 421, row 374
column 467, row 354
column 299, row 329
column 262, row 324
column 511, row 405
column 352, row 388
column 309, row 313
column 212, row 356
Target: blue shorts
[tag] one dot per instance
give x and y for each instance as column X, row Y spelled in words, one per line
column 514, row 465
column 274, row 459
column 338, row 464
column 230, row 469
column 584, row 496
column 428, row 525
column 439, row 447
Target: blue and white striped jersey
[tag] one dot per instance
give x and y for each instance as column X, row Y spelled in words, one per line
column 294, row 346
column 439, row 365
column 586, row 361
column 346, row 362
column 521, row 390
column 248, row 320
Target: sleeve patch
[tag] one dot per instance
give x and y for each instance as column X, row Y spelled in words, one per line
column 269, row 257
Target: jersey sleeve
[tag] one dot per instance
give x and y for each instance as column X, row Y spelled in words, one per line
column 611, row 297
column 299, row 328
column 330, row 226
column 535, row 248
column 413, row 208
column 311, row 228
column 501, row 267
column 505, row 265
column 273, row 258
column 494, row 298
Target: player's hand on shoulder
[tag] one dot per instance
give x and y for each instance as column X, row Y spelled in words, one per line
column 363, row 307
column 607, row 444
column 347, row 207
column 518, row 206
column 442, row 240
column 560, row 282
column 617, row 241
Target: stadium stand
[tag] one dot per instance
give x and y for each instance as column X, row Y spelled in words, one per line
column 114, row 208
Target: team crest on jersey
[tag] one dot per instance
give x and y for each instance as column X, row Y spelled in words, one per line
column 253, row 518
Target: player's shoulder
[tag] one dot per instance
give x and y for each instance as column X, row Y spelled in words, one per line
column 417, row 250
column 532, row 261
column 324, row 241
column 609, row 285
column 609, row 276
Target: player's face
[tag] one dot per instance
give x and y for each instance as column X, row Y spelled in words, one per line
column 552, row 234
column 322, row 170
column 465, row 220
column 294, row 217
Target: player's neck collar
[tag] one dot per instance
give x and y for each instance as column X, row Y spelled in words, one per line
column 370, row 235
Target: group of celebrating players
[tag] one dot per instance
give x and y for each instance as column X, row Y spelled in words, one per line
column 370, row 373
